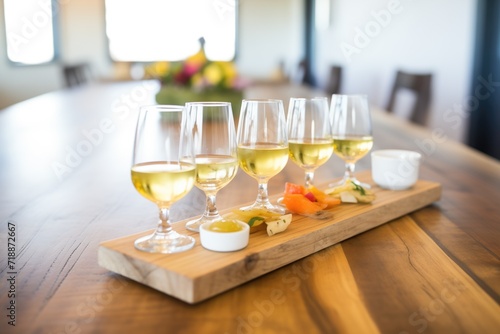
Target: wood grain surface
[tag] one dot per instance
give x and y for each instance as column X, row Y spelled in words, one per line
column 435, row 270
column 199, row 274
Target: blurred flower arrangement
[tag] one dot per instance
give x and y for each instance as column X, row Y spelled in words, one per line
column 197, row 73
column 197, row 79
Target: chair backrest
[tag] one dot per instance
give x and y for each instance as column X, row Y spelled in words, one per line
column 420, row 84
column 302, row 72
column 335, row 80
column 76, row 75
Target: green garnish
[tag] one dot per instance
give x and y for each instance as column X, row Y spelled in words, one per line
column 359, row 188
column 254, row 219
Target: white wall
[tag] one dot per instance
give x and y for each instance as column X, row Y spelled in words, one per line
column 83, row 34
column 22, row 82
column 420, row 36
column 423, row 35
column 270, row 32
column 81, row 38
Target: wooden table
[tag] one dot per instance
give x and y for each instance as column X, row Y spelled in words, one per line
column 65, row 188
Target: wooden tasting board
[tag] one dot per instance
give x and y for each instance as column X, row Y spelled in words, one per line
column 198, row 274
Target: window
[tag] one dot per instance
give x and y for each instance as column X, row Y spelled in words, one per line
column 155, row 30
column 322, row 14
column 29, row 29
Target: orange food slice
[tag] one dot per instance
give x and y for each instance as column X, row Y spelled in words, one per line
column 298, row 203
column 324, row 198
column 292, row 188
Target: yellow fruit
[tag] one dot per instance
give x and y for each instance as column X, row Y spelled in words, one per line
column 213, row 73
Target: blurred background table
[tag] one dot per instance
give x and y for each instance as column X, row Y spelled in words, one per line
column 65, row 187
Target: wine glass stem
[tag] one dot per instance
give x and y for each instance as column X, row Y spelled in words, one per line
column 309, row 179
column 164, row 224
column 210, row 208
column 349, row 170
column 262, row 196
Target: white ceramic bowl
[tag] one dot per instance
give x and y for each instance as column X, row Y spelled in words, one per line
column 395, row 169
column 224, row 241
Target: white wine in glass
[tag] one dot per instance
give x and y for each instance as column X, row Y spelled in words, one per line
column 163, row 171
column 262, row 145
column 309, row 134
column 351, row 131
column 214, row 137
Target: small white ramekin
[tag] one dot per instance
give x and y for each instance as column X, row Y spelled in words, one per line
column 395, row 169
column 224, row 241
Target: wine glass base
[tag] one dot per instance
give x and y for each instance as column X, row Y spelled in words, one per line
column 266, row 206
column 165, row 243
column 346, row 180
column 194, row 225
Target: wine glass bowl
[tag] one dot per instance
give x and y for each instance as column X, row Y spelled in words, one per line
column 163, row 171
column 309, row 134
column 262, row 145
column 351, row 132
column 214, row 137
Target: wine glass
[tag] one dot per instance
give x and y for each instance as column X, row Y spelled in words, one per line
column 163, row 171
column 351, row 131
column 309, row 134
column 216, row 160
column 262, row 145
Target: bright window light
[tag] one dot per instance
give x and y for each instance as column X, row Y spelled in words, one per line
column 169, row 30
column 29, row 31
column 322, row 14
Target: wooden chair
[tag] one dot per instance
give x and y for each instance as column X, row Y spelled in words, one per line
column 335, row 80
column 305, row 75
column 420, row 84
column 302, row 72
column 76, row 75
